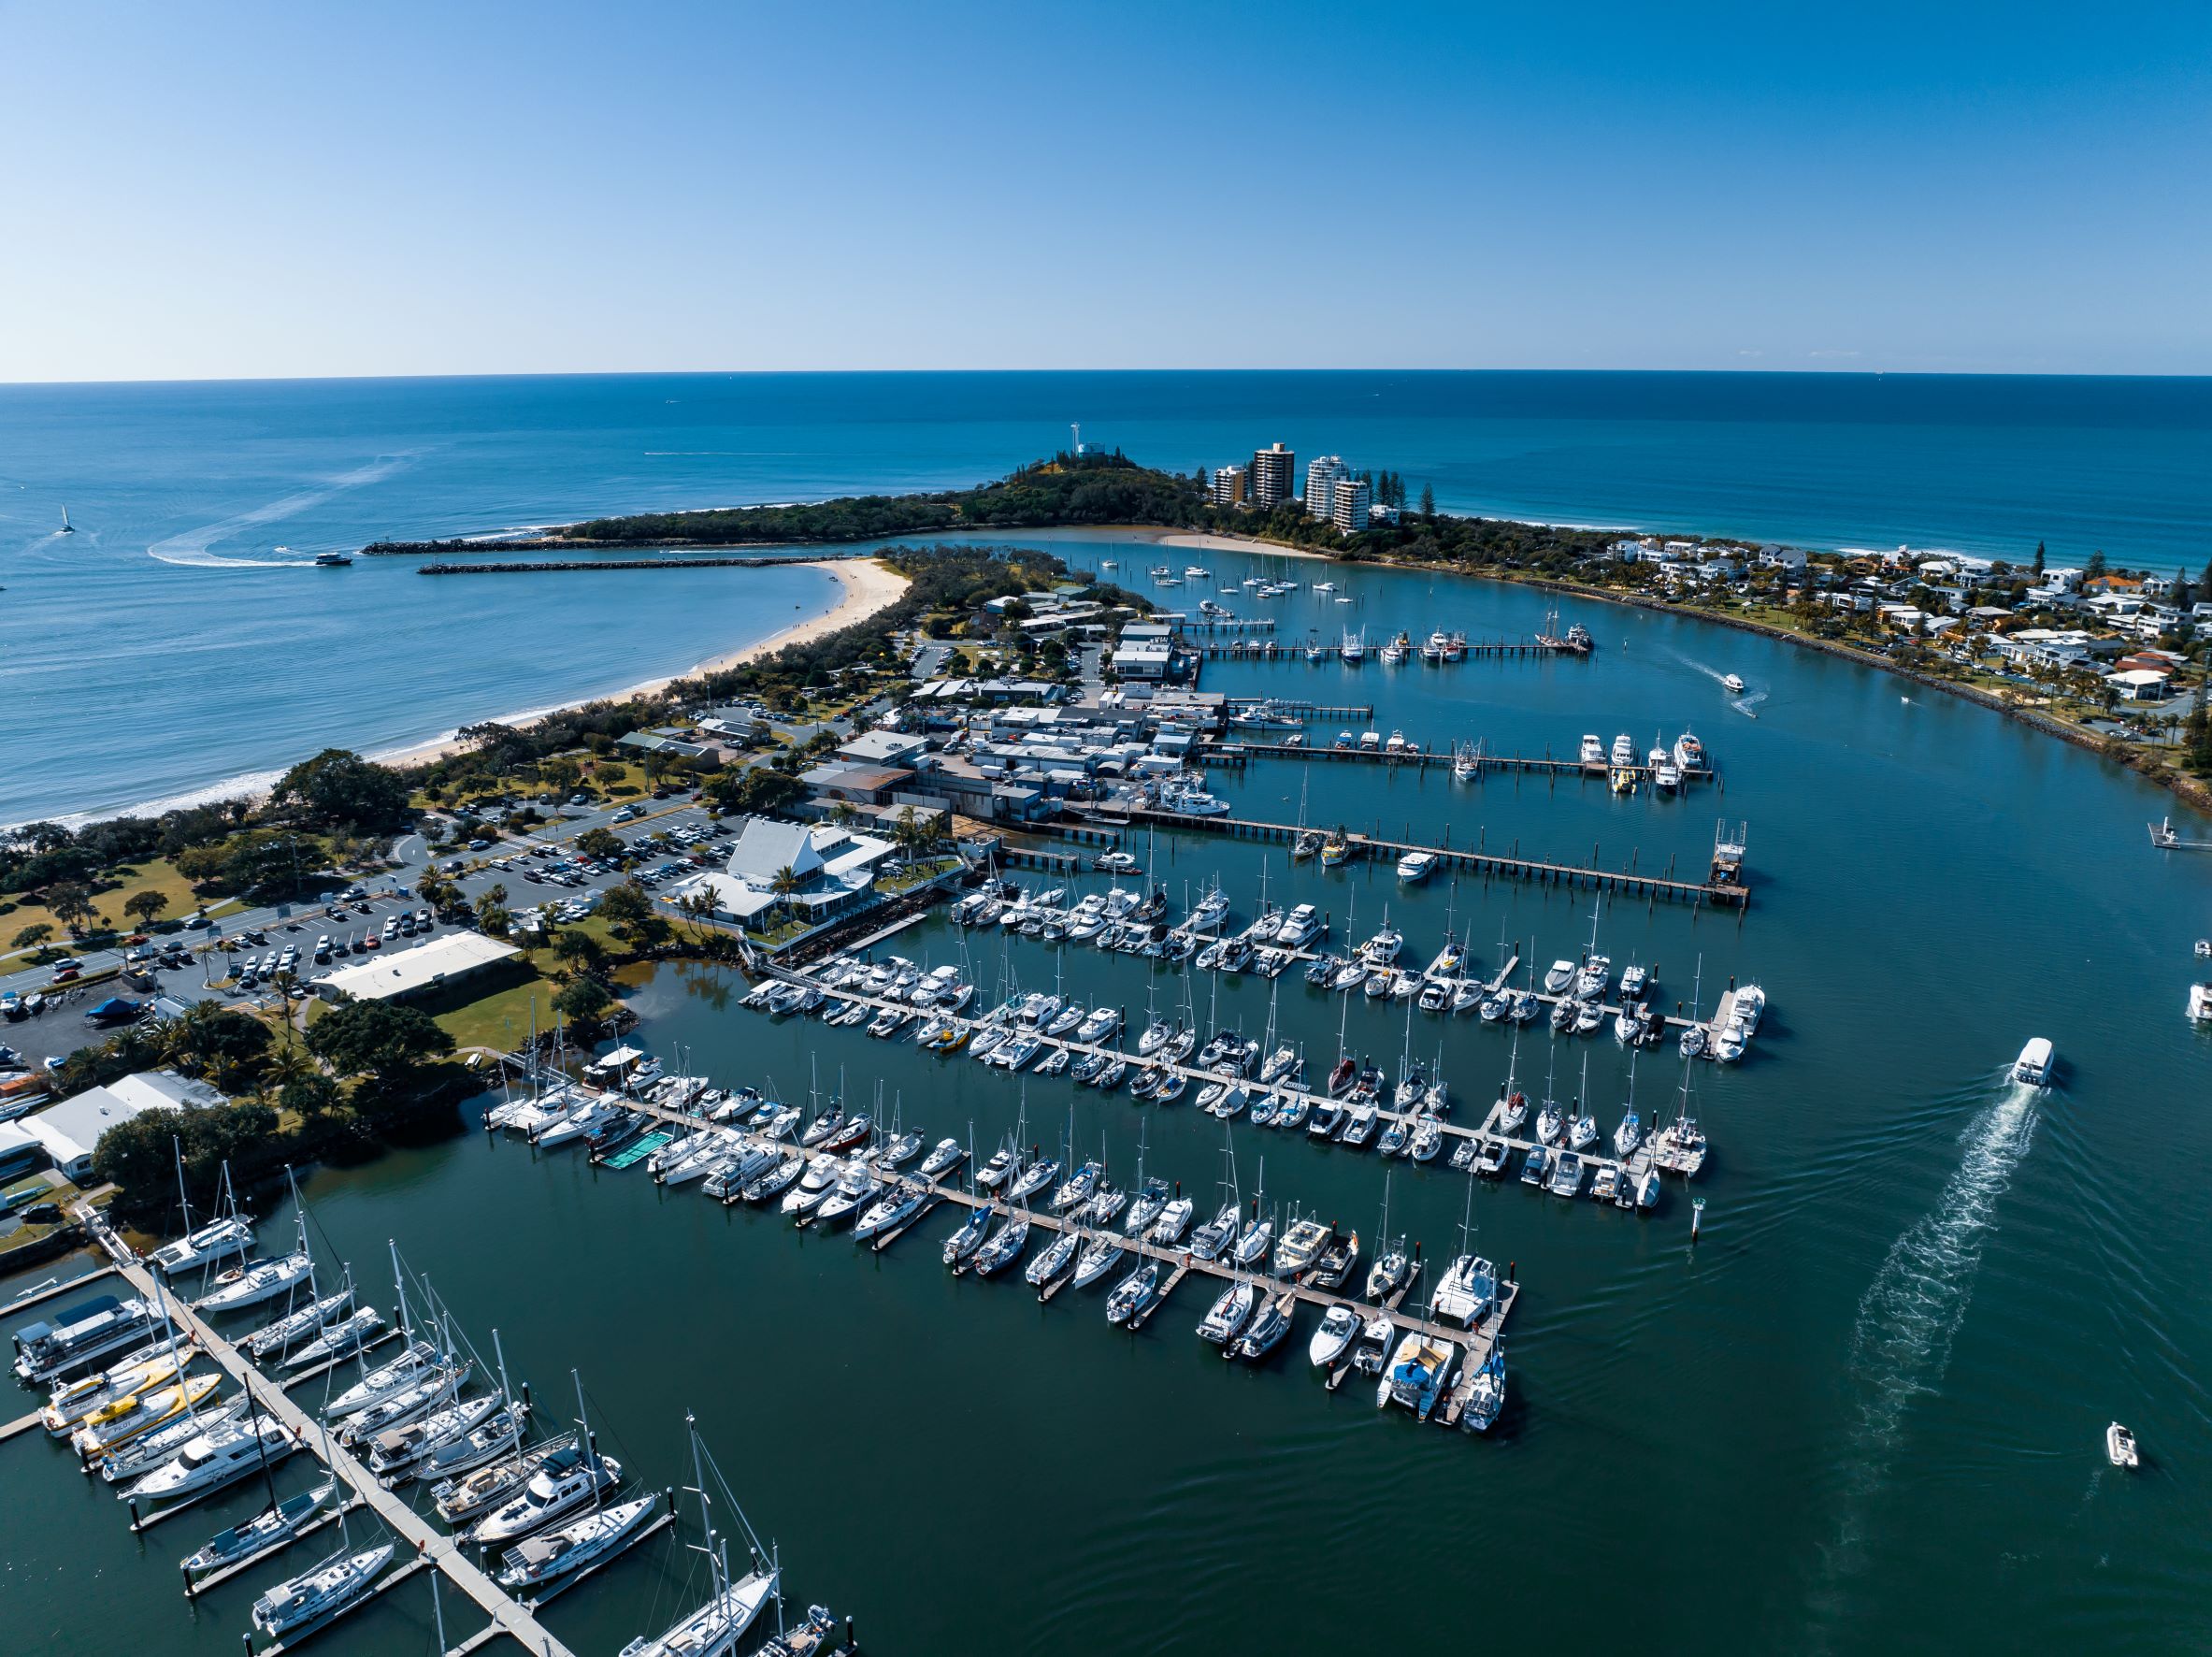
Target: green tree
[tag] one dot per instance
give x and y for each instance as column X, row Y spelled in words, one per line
column 221, row 1043
column 31, row 936
column 339, row 789
column 584, row 1001
column 785, row 882
column 2096, row 565
column 578, row 951
column 1427, row 501
column 2038, row 566
column 624, row 908
column 144, row 905
column 382, row 1040
column 72, row 906
column 599, row 842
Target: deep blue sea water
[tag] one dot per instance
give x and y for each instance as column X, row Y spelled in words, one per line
column 168, row 647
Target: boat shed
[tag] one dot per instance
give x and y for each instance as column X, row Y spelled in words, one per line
column 402, row 972
column 70, row 1130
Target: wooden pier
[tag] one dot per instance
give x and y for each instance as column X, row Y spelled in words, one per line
column 1723, row 889
column 401, row 1520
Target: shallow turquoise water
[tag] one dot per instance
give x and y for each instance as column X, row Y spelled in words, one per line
column 168, row 646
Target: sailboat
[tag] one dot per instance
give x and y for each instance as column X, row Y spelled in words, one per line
column 68, row 528
column 323, row 1591
column 716, row 1628
column 227, row 1234
column 1393, row 1268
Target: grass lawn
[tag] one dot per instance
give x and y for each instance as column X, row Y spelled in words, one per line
column 156, row 874
column 495, row 1011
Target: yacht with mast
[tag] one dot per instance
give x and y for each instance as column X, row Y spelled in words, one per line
column 716, row 1628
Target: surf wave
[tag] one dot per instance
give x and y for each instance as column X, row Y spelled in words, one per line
column 1901, row 1342
column 190, row 548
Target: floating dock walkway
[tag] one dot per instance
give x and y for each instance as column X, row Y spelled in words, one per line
column 1476, row 1342
column 1723, row 888
column 407, row 1526
column 1241, row 751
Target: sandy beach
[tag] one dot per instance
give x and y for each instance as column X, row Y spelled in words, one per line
column 868, row 588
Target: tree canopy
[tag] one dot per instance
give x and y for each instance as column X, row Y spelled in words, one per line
column 339, row 789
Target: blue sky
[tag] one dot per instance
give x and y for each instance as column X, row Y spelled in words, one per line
column 404, row 187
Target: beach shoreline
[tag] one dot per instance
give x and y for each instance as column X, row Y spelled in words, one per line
column 866, row 588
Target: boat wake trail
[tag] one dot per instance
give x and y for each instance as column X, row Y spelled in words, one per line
column 1900, row 1344
column 190, row 549
column 1748, row 705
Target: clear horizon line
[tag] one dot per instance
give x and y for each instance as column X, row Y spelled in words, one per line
column 1746, row 372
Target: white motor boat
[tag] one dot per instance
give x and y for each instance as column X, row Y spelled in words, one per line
column 1340, row 1327
column 2033, row 1065
column 1560, row 976
column 227, row 1451
column 2120, row 1447
column 567, row 1482
column 433, row 1390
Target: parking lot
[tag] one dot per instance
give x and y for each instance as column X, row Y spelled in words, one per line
column 545, row 877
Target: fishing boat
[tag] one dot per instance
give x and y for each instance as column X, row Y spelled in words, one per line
column 540, row 1560
column 1299, row 1247
column 318, row 1595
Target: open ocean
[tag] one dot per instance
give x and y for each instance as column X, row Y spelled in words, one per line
column 170, row 647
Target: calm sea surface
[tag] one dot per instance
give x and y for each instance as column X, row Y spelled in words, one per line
column 1863, row 1413
column 170, row 646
